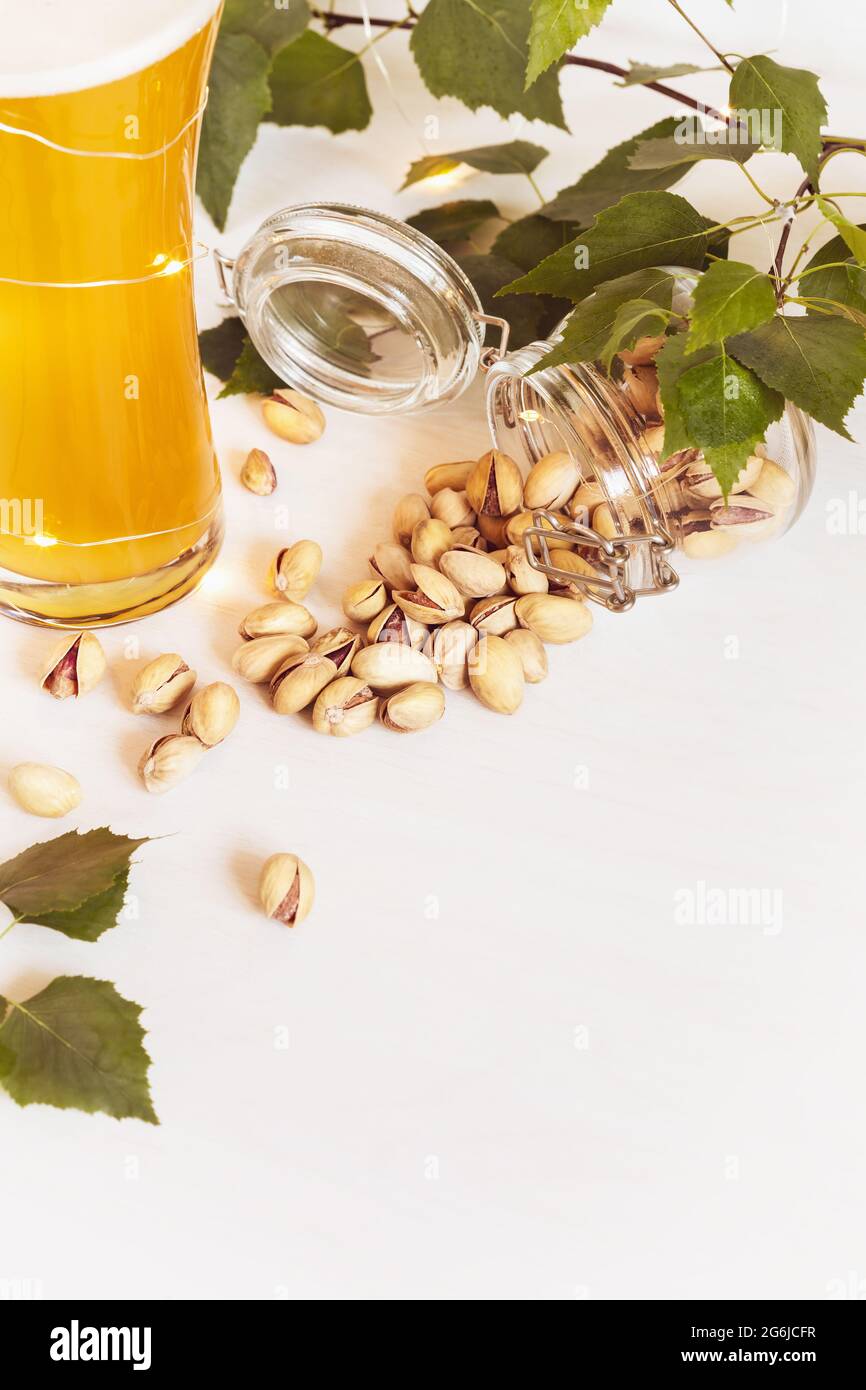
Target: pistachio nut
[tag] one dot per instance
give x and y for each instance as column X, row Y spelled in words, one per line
column 642, row 386
column 363, row 601
column 744, row 516
column 497, row 614
column 293, row 417
column 408, row 512
column 393, row 563
column 452, row 475
column 259, row 659
column 389, row 665
column 212, row 713
column 299, row 680
column 493, row 529
column 340, row 644
column 643, row 351
column 161, row 684
column 567, row 559
column 530, row 649
column 430, row 540
column 495, row 486
column 496, row 674
column 469, row 537
column 523, row 577
column 413, row 709
column 434, row 598
column 346, row 706
column 554, row 618
column 774, row 486
column 278, row 620
column 392, row 625
column 654, row 436
column 258, row 474
column 517, row 526
column 44, row 791
column 702, row 543
column 584, row 502
column 448, row 647
column 551, row 481
column 76, row 663
column 296, row 569
column 169, row 760
column 700, row 478
column 473, row 574
column 452, row 507
column 603, row 522
column 286, row 889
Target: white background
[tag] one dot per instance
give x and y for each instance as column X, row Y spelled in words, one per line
column 510, row 1072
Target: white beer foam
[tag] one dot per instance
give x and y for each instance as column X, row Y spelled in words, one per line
column 52, row 46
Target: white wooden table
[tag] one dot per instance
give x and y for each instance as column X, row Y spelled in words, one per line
column 494, row 1062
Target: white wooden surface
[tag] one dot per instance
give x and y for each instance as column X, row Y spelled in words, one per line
column 509, row 1070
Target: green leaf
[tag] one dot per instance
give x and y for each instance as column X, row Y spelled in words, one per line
column 454, row 221
column 93, row 917
column 315, row 82
column 556, row 27
column 517, row 157
column 77, row 1044
column 609, row 180
column 845, row 284
column 251, row 375
column 238, row 98
column 724, row 403
column 65, row 873
column 642, row 230
column 637, row 318
column 221, row 347
column 272, row 25
column 592, row 322
column 526, row 314
column 728, row 460
column 671, row 361
column 819, row 363
column 668, row 151
column 639, row 73
column 760, row 84
column 476, row 50
column 853, row 236
column 531, row 239
column 730, row 297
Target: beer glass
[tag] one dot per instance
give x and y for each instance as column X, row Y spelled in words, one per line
column 109, row 485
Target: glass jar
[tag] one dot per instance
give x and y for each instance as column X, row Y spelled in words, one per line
column 365, row 313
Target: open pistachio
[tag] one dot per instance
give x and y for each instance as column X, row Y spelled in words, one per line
column 497, row 614
column 169, row 760
column 448, row 647
column 554, row 618
column 430, row 540
column 392, row 625
column 452, row 475
column 346, row 706
column 496, row 674
column 473, row 574
column 363, row 601
column 744, row 516
column 296, row 569
column 493, row 530
column 434, row 598
column 523, row 578
column 44, row 791
column 259, row 659
column 774, row 486
column 700, row 478
column 417, row 707
column 258, row 474
column 299, row 680
column 212, row 713
column 278, row 620
column 286, row 889
column 551, row 481
column 161, row 684
column 75, row 664
column 340, row 644
column 293, row 417
column 408, row 512
column 533, row 657
column 495, row 487
column 469, row 537
column 452, row 507
column 389, row 665
column 393, row 563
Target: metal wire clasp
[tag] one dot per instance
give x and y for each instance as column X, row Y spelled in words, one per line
column 610, row 586
column 494, row 354
column 224, row 268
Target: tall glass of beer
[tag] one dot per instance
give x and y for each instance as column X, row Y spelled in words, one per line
column 109, row 486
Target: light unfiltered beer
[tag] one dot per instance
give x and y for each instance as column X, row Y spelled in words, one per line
column 104, row 430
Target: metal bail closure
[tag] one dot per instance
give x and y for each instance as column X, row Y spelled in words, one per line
column 613, row 585
column 356, row 309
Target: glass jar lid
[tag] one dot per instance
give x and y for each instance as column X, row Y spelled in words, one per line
column 357, row 309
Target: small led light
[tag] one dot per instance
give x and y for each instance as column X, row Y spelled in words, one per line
column 529, row 415
column 42, row 540
column 172, row 267
column 159, row 259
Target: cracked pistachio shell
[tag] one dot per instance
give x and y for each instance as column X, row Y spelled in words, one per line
column 299, row 680
column 409, row 511
column 75, row 664
column 493, row 530
column 363, row 601
column 497, row 615
column 451, row 475
column 393, row 563
column 296, row 569
column 44, row 791
column 340, row 644
column 496, row 674
column 551, row 481
column 212, row 713
column 346, row 706
column 495, row 486
column 259, row 659
column 448, row 647
column 392, row 625
column 453, row 508
column 415, row 708
column 286, row 889
column 745, row 517
column 554, row 618
column 469, row 537
column 517, row 525
column 169, row 760
column 523, row 577
column 434, row 599
column 472, row 573
column 530, row 649
column 701, row 479
column 774, row 486
column 584, row 502
column 430, row 540
column 389, row 665
column 161, row 684
column 293, row 417
column 258, row 474
column 281, row 619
